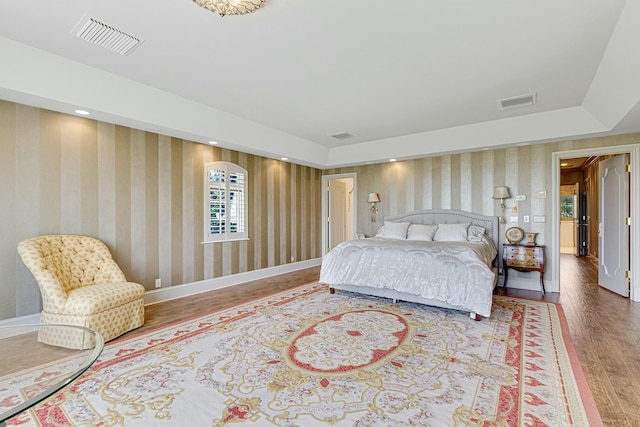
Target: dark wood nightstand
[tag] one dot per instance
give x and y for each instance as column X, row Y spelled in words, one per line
column 523, row 258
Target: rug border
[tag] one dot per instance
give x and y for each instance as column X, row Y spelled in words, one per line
column 593, row 415
column 589, row 403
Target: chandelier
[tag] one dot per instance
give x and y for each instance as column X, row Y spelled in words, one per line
column 231, row 7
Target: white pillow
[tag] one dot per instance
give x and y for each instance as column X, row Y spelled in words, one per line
column 475, row 233
column 451, row 233
column 393, row 230
column 421, row 232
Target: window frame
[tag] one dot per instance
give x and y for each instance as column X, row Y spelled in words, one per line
column 229, row 188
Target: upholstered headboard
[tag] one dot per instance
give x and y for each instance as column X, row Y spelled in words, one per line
column 450, row 216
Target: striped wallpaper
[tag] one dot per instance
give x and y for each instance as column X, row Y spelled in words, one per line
column 466, row 181
column 142, row 194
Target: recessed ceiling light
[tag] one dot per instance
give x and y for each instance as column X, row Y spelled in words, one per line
column 213, row 143
column 392, row 160
column 284, row 159
column 82, row 112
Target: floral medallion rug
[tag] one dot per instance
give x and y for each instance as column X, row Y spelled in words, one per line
column 304, row 357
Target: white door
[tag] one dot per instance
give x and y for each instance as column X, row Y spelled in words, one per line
column 337, row 212
column 613, row 236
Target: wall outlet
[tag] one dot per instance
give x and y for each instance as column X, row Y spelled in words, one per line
column 158, row 283
column 293, row 258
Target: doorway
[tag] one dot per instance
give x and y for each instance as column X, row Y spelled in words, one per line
column 585, row 227
column 339, row 210
column 597, row 231
column 569, row 213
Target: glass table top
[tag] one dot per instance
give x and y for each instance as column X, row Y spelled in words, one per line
column 45, row 368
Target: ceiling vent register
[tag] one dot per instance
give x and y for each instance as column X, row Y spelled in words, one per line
column 341, row 136
column 517, row 101
column 106, row 36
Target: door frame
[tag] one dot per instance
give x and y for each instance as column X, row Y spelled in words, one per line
column 325, row 204
column 634, row 204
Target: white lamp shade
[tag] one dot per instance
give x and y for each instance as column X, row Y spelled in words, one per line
column 501, row 193
column 373, row 198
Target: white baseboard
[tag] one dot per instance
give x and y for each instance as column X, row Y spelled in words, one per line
column 31, row 319
column 520, row 283
column 173, row 292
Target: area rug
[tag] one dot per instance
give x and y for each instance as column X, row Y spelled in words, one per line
column 305, row 357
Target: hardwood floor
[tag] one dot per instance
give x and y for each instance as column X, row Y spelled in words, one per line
column 605, row 328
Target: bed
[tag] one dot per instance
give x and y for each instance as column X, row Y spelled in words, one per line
column 451, row 272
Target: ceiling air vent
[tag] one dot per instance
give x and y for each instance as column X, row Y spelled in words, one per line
column 517, row 101
column 104, row 35
column 341, row 136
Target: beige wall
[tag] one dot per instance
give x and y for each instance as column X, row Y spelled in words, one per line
column 142, row 194
column 466, row 181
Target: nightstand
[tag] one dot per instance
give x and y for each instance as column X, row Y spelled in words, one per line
column 523, row 258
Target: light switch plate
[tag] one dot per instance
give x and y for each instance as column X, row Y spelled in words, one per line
column 521, row 197
column 539, row 218
column 541, row 195
column 513, row 219
column 525, row 218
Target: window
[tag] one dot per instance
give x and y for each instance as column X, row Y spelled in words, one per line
column 225, row 202
column 567, row 207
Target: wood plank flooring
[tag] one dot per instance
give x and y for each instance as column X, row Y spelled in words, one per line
column 605, row 328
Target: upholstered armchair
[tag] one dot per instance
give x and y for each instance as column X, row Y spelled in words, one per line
column 81, row 285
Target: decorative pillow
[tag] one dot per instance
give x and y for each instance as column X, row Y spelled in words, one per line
column 421, row 232
column 393, row 230
column 451, row 232
column 475, row 233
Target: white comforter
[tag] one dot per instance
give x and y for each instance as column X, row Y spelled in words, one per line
column 457, row 273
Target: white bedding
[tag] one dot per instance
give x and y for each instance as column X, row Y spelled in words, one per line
column 456, row 273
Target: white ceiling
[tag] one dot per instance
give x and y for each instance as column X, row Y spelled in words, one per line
column 408, row 79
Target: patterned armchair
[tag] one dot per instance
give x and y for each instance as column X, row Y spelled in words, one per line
column 81, row 285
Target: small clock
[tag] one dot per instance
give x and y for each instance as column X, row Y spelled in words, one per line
column 514, row 234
